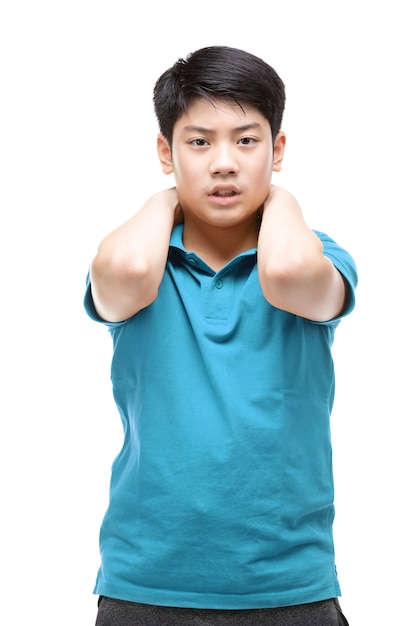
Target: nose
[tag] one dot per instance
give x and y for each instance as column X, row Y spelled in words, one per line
column 223, row 161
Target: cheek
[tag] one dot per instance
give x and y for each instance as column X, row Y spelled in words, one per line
column 260, row 181
column 189, row 173
column 261, row 172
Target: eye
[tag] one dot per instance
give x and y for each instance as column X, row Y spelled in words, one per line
column 199, row 142
column 246, row 141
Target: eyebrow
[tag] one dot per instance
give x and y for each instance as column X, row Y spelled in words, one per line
column 202, row 129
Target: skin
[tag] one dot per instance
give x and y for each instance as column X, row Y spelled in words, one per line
column 218, row 148
column 222, row 157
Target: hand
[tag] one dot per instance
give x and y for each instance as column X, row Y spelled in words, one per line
column 273, row 194
column 171, row 196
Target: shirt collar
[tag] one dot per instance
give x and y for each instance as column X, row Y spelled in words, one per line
column 176, row 242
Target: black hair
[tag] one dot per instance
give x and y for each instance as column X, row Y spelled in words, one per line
column 218, row 73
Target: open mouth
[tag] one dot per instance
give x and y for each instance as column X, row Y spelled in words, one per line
column 223, row 193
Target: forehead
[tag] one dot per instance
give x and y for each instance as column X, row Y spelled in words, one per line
column 214, row 113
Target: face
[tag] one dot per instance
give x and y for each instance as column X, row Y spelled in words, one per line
column 222, row 158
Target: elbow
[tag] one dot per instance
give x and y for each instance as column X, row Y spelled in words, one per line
column 275, row 279
column 118, row 267
column 121, row 286
column 275, row 271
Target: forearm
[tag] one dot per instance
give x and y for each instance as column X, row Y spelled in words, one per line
column 294, row 274
column 128, row 267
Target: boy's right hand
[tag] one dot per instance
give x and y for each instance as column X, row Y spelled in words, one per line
column 170, row 197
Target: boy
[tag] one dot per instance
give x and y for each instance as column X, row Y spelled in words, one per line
column 222, row 305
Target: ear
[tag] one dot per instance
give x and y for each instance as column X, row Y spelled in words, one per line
column 279, row 148
column 164, row 153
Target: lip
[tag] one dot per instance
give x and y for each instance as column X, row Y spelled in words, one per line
column 224, row 200
column 229, row 188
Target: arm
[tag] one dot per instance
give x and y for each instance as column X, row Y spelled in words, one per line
column 128, row 267
column 295, row 275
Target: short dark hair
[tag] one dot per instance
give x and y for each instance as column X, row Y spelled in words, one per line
column 219, row 73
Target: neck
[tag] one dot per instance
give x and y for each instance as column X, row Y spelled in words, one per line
column 219, row 245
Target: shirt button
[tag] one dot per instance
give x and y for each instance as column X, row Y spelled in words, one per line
column 219, row 284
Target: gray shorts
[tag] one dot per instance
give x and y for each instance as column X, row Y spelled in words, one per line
column 113, row 612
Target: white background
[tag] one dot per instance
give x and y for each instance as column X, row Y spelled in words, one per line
column 78, row 157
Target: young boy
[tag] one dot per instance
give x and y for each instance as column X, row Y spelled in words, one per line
column 222, row 305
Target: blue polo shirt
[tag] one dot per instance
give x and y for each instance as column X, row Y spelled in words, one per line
column 222, row 494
